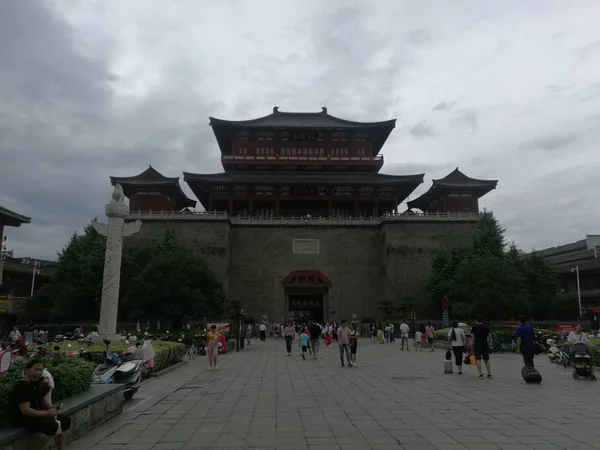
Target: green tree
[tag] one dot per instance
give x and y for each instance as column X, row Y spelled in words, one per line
column 489, row 279
column 489, row 238
column 542, row 283
column 76, row 289
column 174, row 285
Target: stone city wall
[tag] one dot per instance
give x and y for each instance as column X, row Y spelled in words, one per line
column 365, row 264
column 408, row 250
column 208, row 240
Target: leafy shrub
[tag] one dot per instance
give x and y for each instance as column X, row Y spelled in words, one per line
column 167, row 353
column 71, row 377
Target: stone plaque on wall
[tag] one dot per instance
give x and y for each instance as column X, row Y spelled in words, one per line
column 305, row 246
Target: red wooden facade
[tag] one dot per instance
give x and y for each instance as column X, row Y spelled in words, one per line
column 456, row 192
column 298, row 164
column 152, row 191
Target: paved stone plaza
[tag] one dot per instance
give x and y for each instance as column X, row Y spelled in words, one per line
column 263, row 399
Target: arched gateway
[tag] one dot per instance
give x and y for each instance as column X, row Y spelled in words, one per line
column 307, row 295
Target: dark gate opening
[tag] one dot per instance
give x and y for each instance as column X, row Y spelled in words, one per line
column 306, row 307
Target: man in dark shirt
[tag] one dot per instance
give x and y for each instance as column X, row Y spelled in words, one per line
column 525, row 341
column 481, row 335
column 315, row 337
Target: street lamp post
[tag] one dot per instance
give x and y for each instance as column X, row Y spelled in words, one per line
column 35, row 271
column 576, row 270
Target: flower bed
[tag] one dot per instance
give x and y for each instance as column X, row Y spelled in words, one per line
column 71, row 376
column 167, row 353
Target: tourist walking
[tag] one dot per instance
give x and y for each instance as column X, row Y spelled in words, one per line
column 288, row 334
column 386, row 332
column 430, row 333
column 343, row 338
column 303, row 343
column 457, row 338
column 374, row 333
column 327, row 336
column 212, row 347
column 418, row 340
column 481, row 337
column 263, row 332
column 525, row 341
column 353, row 343
column 392, row 329
column 314, row 330
column 404, row 330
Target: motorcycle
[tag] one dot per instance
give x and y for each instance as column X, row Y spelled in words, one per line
column 124, row 369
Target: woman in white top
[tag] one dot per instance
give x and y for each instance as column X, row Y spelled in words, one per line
column 577, row 336
column 457, row 337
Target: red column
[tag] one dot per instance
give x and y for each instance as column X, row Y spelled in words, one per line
column 329, row 209
column 251, row 207
column 230, row 207
column 277, row 211
column 376, row 208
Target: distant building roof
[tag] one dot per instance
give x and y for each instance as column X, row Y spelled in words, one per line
column 278, row 120
column 455, row 181
column 152, row 179
column 26, row 265
column 11, row 218
column 572, row 254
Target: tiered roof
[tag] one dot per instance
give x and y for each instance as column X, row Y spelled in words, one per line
column 378, row 132
column 151, row 179
column 454, row 182
column 11, row 218
column 403, row 185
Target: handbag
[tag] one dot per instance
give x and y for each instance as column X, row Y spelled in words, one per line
column 467, row 360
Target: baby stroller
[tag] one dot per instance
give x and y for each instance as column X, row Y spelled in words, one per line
column 582, row 362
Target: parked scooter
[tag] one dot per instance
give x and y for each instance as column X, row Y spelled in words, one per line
column 556, row 354
column 144, row 352
column 123, row 370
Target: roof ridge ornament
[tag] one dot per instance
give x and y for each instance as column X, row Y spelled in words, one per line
column 324, row 109
column 275, row 109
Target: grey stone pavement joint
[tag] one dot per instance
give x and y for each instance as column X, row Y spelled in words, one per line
column 263, row 399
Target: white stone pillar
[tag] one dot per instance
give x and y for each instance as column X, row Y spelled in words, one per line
column 116, row 211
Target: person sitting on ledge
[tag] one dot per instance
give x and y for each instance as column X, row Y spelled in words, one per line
column 31, row 410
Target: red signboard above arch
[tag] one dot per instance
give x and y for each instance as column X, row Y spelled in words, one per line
column 306, row 278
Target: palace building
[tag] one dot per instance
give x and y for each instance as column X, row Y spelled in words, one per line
column 301, row 223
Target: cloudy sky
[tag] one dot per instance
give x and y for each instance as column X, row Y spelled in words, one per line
column 505, row 90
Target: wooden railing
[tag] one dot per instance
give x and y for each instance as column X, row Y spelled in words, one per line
column 304, row 220
column 279, row 159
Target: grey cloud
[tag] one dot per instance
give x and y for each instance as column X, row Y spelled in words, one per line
column 421, row 130
column 62, row 133
column 442, row 106
column 589, row 50
column 429, row 169
column 345, row 52
column 419, row 38
column 469, row 119
column 549, row 143
column 538, row 227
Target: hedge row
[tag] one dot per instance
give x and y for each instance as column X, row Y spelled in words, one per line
column 71, row 377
